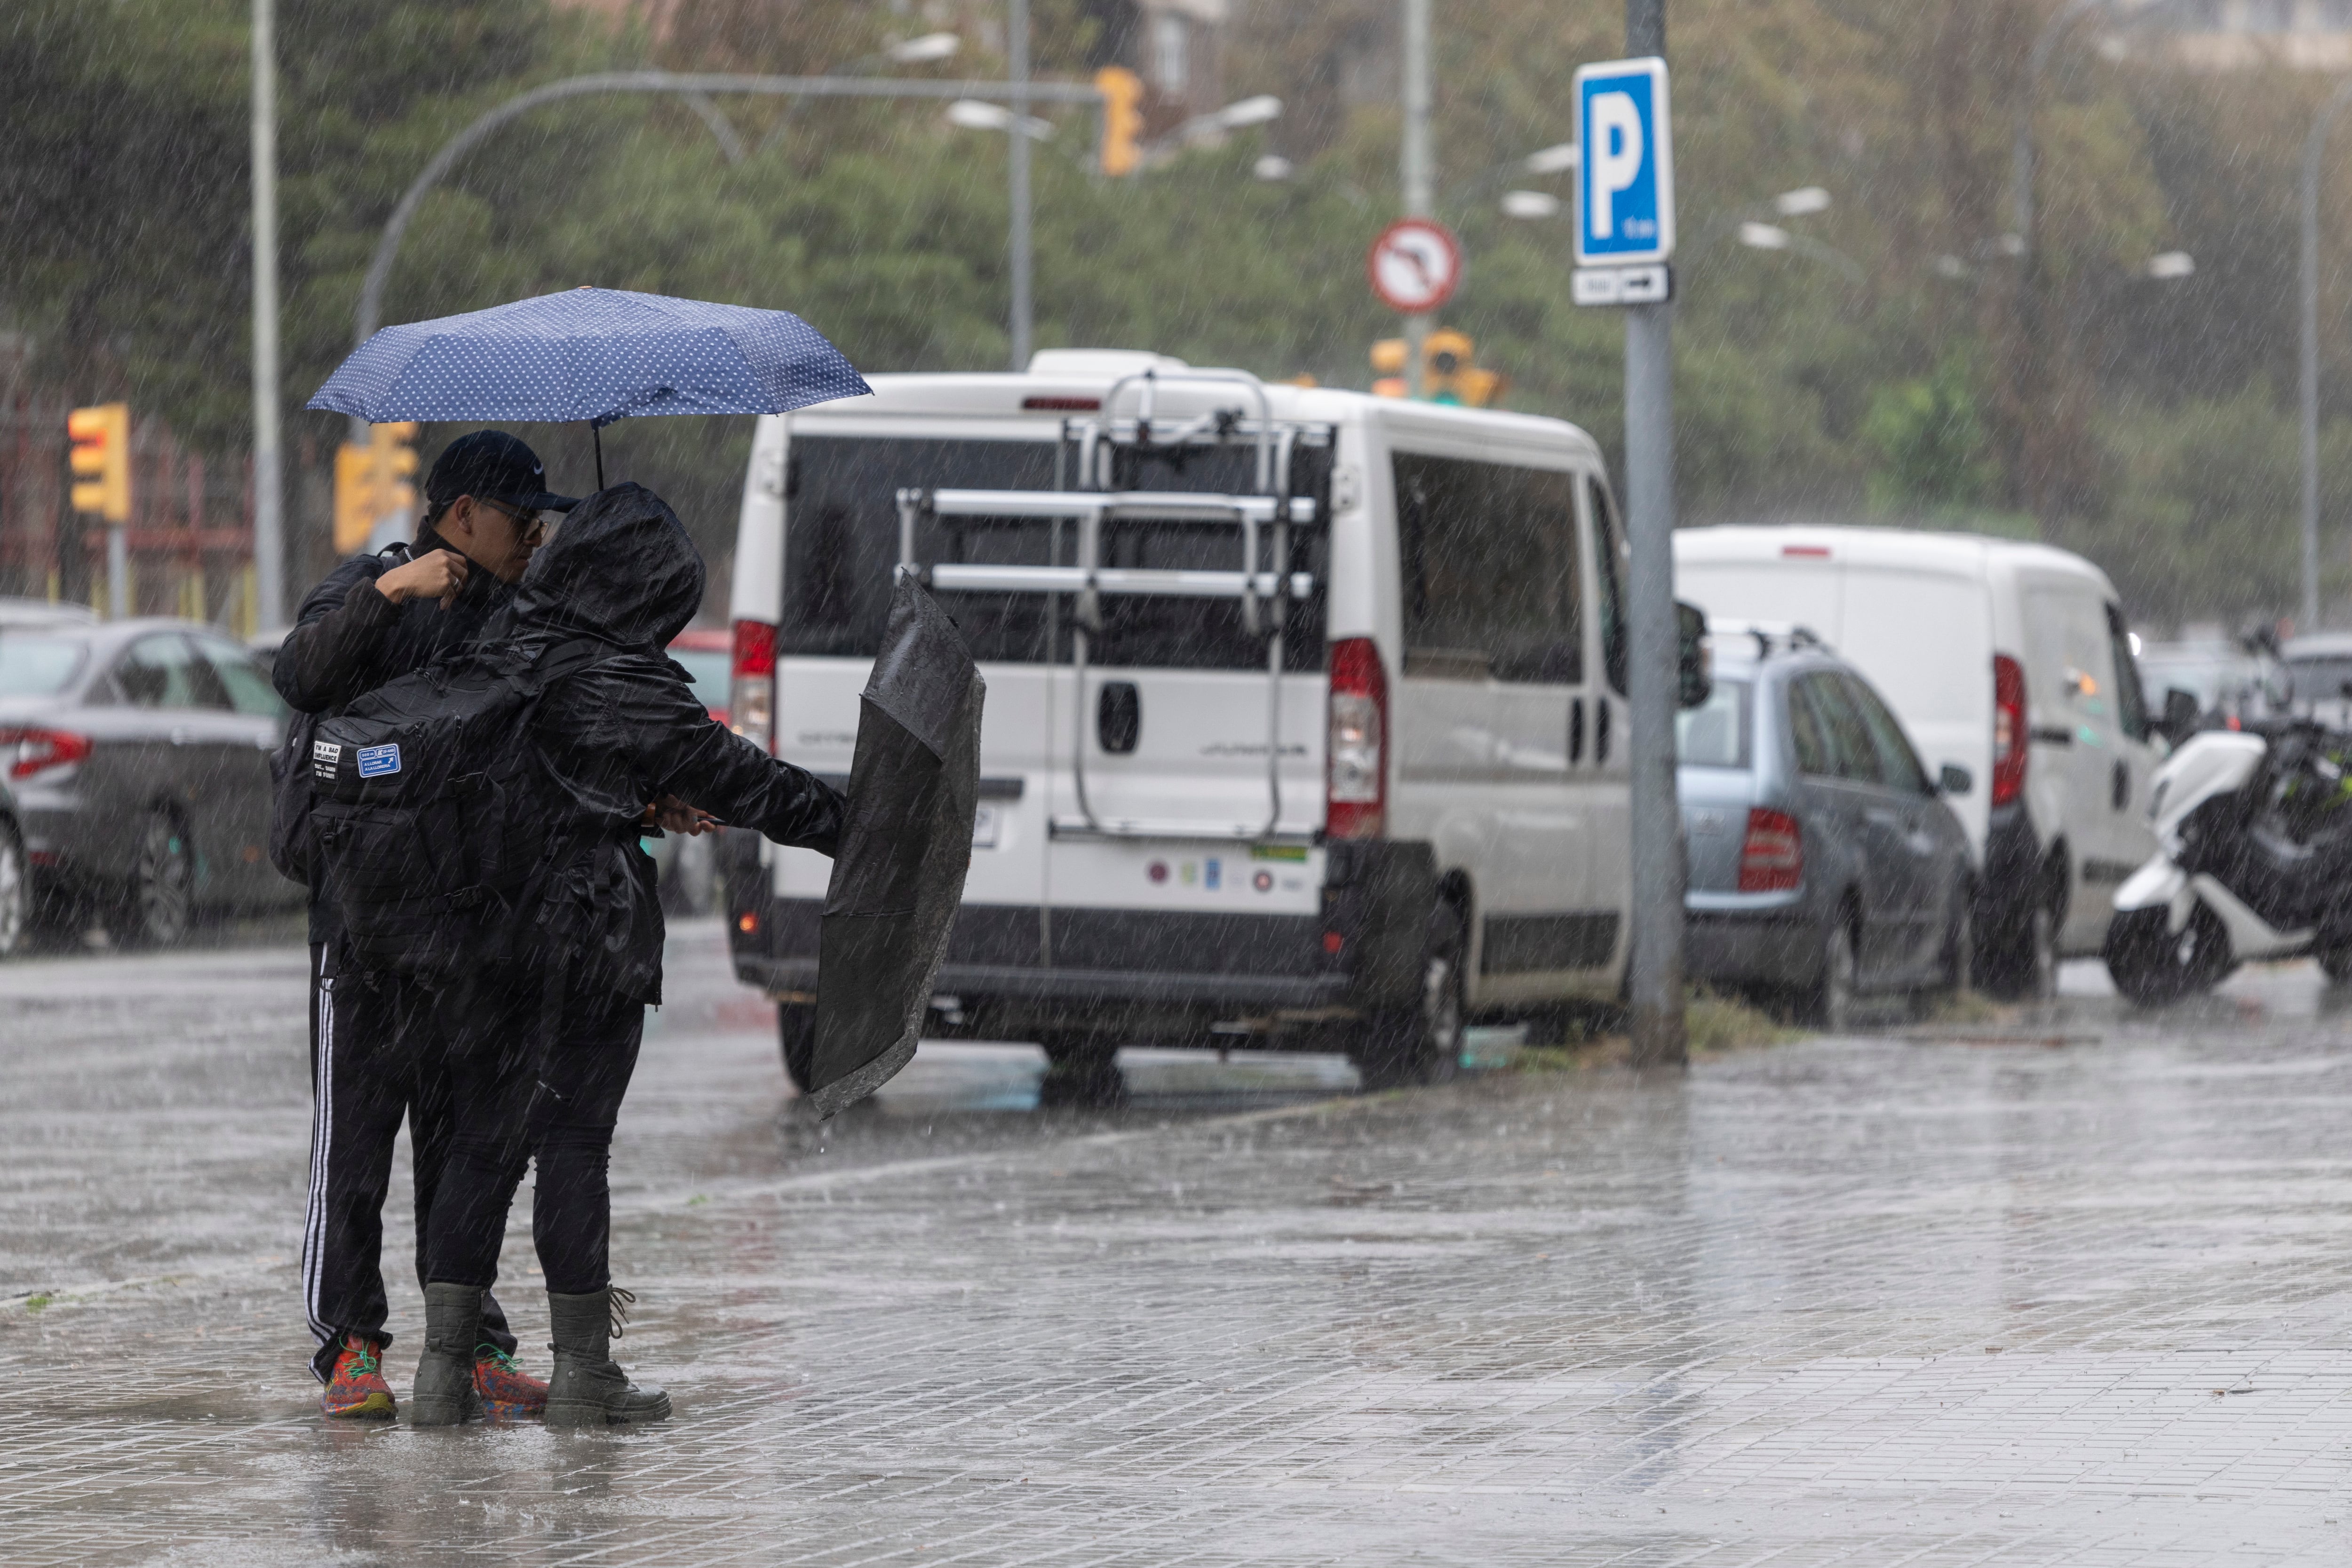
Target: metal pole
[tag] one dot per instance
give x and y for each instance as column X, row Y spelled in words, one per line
column 1414, row 166
column 118, row 572
column 269, row 479
column 1656, row 984
column 1017, row 64
column 2314, row 147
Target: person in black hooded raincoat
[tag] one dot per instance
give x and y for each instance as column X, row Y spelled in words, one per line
column 623, row 730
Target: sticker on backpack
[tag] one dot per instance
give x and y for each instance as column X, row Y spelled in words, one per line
column 325, row 757
column 375, row 761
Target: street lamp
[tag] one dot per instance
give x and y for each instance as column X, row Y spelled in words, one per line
column 1273, row 167
column 1772, row 237
column 923, row 51
column 1531, row 205
column 2167, row 266
column 979, row 114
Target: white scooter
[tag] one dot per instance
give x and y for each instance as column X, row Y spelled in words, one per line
column 2254, row 843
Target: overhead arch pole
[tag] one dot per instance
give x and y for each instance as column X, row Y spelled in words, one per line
column 691, row 86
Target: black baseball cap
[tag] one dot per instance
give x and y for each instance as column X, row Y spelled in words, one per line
column 493, row 466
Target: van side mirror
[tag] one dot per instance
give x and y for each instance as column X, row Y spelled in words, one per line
column 2180, row 715
column 1695, row 676
column 1954, row 780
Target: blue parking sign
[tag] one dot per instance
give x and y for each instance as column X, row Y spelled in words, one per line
column 1625, row 176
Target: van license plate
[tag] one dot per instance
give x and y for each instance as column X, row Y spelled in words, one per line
column 984, row 825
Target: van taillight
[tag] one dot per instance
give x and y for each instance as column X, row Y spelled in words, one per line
column 1355, row 765
column 1772, row 858
column 2010, row 740
column 752, row 705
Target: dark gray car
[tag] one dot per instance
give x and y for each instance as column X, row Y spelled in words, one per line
column 1824, row 863
column 139, row 753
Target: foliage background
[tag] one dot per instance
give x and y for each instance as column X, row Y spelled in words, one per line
column 2149, row 424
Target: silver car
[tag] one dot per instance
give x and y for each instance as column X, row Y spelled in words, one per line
column 1824, row 863
column 139, row 754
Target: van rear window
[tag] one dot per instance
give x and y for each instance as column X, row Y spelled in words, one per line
column 840, row 541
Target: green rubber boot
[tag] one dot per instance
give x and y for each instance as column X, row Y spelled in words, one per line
column 443, row 1394
column 586, row 1388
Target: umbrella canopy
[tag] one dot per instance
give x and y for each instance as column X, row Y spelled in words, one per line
column 898, row 875
column 598, row 354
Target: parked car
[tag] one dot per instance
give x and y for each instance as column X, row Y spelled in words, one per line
column 139, row 754
column 14, row 612
column 1305, row 719
column 1824, row 862
column 688, row 866
column 2229, row 684
column 2317, row 667
column 2010, row 661
column 16, row 872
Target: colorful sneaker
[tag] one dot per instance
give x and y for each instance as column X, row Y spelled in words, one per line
column 505, row 1390
column 358, row 1391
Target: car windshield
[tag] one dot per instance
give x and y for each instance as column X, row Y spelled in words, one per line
column 1715, row 733
column 711, row 669
column 33, row 664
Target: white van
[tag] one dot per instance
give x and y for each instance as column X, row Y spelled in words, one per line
column 2012, row 660
column 1305, row 721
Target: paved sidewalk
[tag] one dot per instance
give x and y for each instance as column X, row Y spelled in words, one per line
column 1852, row 1301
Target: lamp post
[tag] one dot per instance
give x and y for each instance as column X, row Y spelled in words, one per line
column 268, row 470
column 1413, row 165
column 2314, row 147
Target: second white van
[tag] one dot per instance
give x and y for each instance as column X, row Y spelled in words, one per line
column 2012, row 660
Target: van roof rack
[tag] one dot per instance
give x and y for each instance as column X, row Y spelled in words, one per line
column 1265, row 595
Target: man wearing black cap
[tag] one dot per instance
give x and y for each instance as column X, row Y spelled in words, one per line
column 379, row 1045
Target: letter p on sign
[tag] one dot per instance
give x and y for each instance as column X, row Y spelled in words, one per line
column 1625, row 180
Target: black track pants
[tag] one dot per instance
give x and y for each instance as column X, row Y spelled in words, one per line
column 557, row 1104
column 380, row 1051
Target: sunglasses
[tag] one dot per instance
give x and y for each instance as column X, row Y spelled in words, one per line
column 529, row 525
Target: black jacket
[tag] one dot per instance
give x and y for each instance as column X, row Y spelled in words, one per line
column 628, row 729
column 347, row 639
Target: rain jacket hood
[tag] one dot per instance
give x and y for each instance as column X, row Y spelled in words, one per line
column 620, row 568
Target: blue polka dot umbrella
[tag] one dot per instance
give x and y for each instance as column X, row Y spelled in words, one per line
column 597, row 354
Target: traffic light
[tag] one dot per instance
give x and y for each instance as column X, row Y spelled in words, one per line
column 1122, row 92
column 395, row 467
column 372, row 481
column 1449, row 372
column 101, row 459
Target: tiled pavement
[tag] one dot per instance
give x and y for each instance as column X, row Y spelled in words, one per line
column 1977, row 1300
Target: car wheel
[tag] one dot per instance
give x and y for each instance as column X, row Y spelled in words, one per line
column 159, row 904
column 1081, row 1074
column 2154, row 965
column 1422, row 1043
column 16, row 892
column 796, row 1034
column 1830, row 1006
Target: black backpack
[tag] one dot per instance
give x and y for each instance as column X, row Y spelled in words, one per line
column 429, row 822
column 289, row 773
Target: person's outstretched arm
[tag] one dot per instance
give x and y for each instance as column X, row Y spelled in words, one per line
column 668, row 739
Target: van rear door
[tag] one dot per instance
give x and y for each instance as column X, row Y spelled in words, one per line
column 841, row 547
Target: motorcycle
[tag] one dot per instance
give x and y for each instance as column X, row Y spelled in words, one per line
column 2253, row 861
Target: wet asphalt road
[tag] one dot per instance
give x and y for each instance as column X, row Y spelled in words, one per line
column 2072, row 1288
